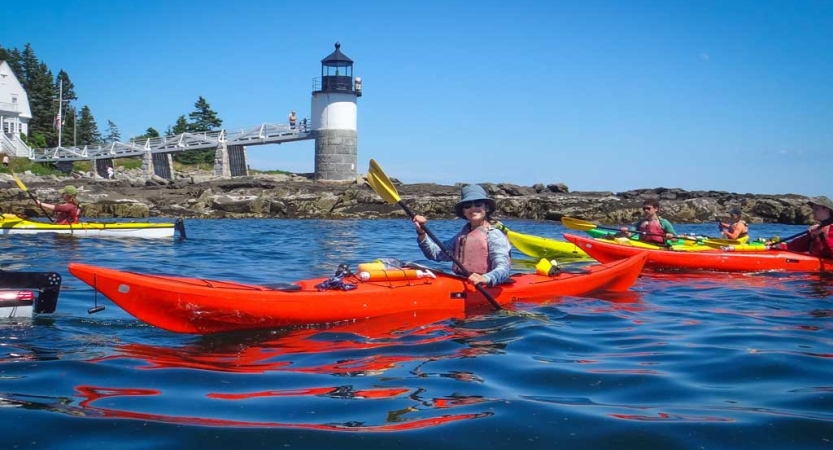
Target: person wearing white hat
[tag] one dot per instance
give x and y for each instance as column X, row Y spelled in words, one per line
column 68, row 211
column 480, row 247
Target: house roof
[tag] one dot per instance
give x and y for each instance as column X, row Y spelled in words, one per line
column 9, row 86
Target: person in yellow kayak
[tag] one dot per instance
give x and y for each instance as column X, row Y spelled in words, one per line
column 479, row 246
column 652, row 228
column 737, row 227
column 68, row 211
column 818, row 241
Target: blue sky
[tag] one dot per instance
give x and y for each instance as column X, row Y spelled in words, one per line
column 600, row 95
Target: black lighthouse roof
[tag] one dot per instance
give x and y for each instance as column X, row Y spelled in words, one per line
column 337, row 59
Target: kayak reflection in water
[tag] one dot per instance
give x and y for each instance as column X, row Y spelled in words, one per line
column 479, row 246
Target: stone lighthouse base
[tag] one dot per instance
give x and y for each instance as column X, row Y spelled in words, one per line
column 335, row 155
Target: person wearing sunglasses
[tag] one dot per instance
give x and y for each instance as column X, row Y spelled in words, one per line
column 819, row 240
column 737, row 228
column 479, row 246
column 652, row 228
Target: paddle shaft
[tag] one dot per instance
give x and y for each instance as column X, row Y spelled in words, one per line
column 451, row 256
column 646, row 233
column 824, row 223
column 34, row 199
column 32, row 196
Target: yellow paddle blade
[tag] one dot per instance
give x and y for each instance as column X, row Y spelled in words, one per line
column 577, row 224
column 381, row 184
column 19, row 183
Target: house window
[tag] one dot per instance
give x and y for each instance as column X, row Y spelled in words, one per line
column 14, row 98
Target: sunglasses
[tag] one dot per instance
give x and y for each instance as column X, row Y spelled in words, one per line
column 477, row 204
column 647, row 208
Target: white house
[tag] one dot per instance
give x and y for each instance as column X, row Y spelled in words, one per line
column 14, row 113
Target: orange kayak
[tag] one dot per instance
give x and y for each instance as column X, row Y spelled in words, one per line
column 716, row 260
column 193, row 305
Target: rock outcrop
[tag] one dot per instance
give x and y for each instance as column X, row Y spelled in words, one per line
column 297, row 196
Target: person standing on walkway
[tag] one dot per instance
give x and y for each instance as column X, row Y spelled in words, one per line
column 292, row 120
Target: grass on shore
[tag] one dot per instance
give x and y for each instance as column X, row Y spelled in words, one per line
column 21, row 165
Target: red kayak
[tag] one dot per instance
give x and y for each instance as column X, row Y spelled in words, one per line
column 718, row 260
column 193, row 305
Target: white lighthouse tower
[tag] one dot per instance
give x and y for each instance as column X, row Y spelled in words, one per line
column 333, row 118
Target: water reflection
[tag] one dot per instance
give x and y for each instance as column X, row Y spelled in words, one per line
column 381, row 356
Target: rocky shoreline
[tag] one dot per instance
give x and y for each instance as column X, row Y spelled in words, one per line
column 297, row 196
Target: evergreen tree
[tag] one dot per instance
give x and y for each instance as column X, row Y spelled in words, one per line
column 15, row 62
column 203, row 118
column 68, row 87
column 113, row 134
column 12, row 57
column 65, row 90
column 29, row 63
column 70, row 124
column 150, row 133
column 43, row 104
column 87, row 128
column 181, row 126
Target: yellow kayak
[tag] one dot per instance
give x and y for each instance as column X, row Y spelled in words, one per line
column 541, row 247
column 12, row 224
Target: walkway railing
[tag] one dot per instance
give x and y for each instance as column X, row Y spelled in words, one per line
column 262, row 134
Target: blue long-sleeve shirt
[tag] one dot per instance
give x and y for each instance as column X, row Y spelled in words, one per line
column 500, row 263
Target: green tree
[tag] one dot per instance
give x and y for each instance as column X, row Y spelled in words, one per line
column 113, row 134
column 37, row 80
column 150, row 133
column 181, row 126
column 13, row 58
column 87, row 128
column 70, row 126
column 203, row 118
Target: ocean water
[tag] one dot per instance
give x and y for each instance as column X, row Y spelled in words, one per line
column 681, row 361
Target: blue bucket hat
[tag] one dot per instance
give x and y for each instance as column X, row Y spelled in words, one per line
column 473, row 193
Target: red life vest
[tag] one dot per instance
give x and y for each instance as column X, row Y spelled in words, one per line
column 473, row 249
column 63, row 218
column 822, row 245
column 654, row 231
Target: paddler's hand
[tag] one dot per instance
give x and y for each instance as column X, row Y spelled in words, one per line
column 419, row 221
column 815, row 230
column 477, row 278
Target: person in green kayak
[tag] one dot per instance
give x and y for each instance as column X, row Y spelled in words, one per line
column 479, row 246
column 652, row 228
column 737, row 228
column 68, row 211
column 818, row 241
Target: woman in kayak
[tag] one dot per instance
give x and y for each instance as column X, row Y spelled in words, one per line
column 68, row 211
column 818, row 241
column 479, row 246
column 652, row 228
column 737, row 228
